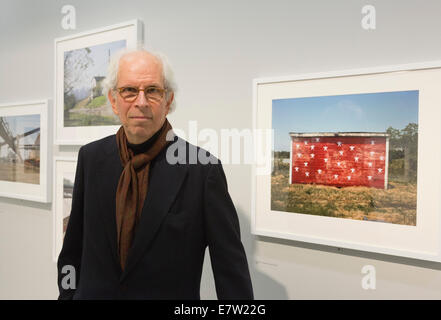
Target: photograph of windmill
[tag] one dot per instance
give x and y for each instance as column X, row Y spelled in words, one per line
column 85, row 103
column 20, row 148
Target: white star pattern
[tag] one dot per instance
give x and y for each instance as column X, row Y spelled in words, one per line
column 357, row 167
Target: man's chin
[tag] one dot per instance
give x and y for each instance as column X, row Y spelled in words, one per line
column 139, row 135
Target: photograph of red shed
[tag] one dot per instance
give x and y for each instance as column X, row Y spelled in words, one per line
column 351, row 156
column 340, row 159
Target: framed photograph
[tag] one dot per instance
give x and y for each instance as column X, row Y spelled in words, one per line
column 355, row 159
column 25, row 146
column 82, row 113
column 64, row 178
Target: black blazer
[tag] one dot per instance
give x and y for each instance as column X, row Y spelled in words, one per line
column 187, row 208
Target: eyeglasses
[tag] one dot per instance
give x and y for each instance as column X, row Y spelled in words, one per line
column 152, row 94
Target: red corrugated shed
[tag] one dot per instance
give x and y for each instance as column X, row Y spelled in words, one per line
column 340, row 159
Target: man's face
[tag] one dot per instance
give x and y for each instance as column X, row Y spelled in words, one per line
column 140, row 118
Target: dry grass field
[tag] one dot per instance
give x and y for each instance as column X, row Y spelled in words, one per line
column 19, row 172
column 396, row 205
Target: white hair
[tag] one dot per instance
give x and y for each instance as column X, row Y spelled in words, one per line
column 109, row 83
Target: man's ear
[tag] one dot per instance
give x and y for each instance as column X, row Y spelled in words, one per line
column 112, row 102
column 169, row 102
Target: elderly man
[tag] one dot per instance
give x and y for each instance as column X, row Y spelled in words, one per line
column 139, row 224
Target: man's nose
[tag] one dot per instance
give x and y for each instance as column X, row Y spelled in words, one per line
column 141, row 100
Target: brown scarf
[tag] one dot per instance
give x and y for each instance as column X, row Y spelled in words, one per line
column 132, row 187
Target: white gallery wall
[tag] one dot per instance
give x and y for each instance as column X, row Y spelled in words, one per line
column 216, row 49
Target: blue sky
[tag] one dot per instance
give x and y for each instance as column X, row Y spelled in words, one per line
column 20, row 125
column 100, row 56
column 368, row 112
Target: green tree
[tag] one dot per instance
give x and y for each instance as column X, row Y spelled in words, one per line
column 404, row 146
column 75, row 63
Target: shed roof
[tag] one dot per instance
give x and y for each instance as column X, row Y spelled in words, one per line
column 339, row 134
